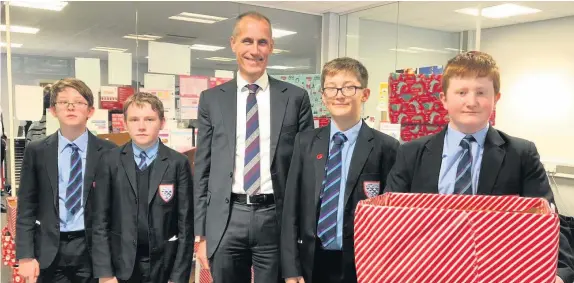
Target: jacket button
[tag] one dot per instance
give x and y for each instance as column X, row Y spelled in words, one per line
column 134, row 241
column 231, row 175
column 226, row 200
column 136, row 200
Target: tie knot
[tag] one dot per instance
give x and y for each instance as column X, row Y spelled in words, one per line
column 252, row 88
column 465, row 142
column 143, row 155
column 74, row 147
column 339, row 138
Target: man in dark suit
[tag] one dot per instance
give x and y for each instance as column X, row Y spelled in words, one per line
column 332, row 169
column 246, row 131
column 54, row 216
column 469, row 156
column 142, row 204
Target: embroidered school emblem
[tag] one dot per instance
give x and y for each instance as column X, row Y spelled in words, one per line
column 371, row 188
column 166, row 192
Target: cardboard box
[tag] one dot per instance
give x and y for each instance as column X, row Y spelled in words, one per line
column 455, row 238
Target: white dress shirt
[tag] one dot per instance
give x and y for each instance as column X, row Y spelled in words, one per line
column 264, row 111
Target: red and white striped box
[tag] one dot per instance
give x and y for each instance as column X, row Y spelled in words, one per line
column 455, row 238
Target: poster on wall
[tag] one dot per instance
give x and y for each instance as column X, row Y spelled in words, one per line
column 113, row 98
column 213, row 82
column 118, row 123
column 312, row 84
column 190, row 87
column 98, row 123
column 383, row 97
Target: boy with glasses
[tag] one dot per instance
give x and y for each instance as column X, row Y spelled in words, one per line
column 54, row 215
column 332, row 169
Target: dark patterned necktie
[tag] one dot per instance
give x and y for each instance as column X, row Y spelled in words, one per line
column 142, row 165
column 74, row 189
column 327, row 224
column 463, row 183
column 251, row 169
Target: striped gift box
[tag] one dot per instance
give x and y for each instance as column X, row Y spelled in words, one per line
column 455, row 238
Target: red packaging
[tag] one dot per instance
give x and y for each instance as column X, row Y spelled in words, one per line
column 455, row 238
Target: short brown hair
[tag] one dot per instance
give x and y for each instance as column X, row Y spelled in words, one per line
column 253, row 15
column 472, row 63
column 74, row 83
column 139, row 98
column 345, row 64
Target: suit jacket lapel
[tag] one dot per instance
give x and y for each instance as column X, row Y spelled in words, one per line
column 51, row 164
column 158, row 170
column 129, row 166
column 432, row 160
column 363, row 148
column 228, row 107
column 320, row 154
column 492, row 158
column 278, row 107
column 92, row 157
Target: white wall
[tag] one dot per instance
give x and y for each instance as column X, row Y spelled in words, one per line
column 537, row 71
column 375, row 39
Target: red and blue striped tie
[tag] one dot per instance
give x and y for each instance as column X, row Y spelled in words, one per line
column 463, row 182
column 74, row 189
column 251, row 169
column 327, row 224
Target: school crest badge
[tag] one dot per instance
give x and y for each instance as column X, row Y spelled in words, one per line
column 166, row 192
column 372, row 188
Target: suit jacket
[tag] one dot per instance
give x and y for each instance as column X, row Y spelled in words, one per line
column 38, row 219
column 215, row 156
column 115, row 224
column 373, row 157
column 510, row 166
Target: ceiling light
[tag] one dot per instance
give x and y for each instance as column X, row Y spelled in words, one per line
column 13, row 45
column 277, row 67
column 198, row 18
column 277, row 51
column 223, row 59
column 277, row 33
column 142, row 36
column 20, row 29
column 428, row 50
column 500, row 11
column 203, row 47
column 403, row 50
column 109, row 49
column 453, row 49
column 44, row 5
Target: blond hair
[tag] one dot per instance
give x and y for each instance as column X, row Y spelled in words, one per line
column 140, row 98
column 345, row 64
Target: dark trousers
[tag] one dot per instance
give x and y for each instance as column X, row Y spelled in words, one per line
column 251, row 239
column 329, row 267
column 72, row 263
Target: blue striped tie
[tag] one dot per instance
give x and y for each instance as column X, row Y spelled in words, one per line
column 74, row 190
column 251, row 169
column 327, row 224
column 463, row 182
column 142, row 165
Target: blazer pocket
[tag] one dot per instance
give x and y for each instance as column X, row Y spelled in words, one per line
column 370, row 184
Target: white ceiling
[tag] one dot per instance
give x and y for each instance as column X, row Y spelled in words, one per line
column 86, row 24
column 83, row 25
column 440, row 15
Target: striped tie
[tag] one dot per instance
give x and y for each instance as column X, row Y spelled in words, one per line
column 142, row 165
column 463, row 183
column 74, row 190
column 327, row 224
column 251, row 169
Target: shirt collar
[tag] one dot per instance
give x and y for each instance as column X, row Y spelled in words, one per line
column 351, row 133
column 150, row 152
column 81, row 142
column 454, row 137
column 262, row 82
